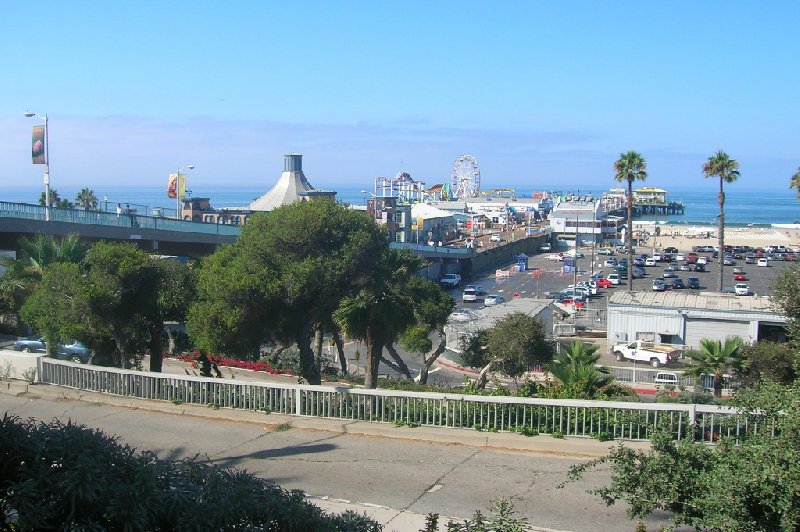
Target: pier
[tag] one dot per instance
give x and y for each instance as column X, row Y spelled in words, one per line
column 644, row 208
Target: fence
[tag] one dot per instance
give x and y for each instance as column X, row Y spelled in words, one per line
column 620, row 420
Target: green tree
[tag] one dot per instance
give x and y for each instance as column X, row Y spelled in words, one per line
column 721, row 166
column 776, row 361
column 630, row 167
column 511, row 347
column 55, row 200
column 715, row 358
column 786, row 296
column 746, row 484
column 56, row 308
column 794, row 182
column 382, row 309
column 289, row 270
column 122, row 298
column 86, row 199
column 177, row 289
column 432, row 307
column 576, row 372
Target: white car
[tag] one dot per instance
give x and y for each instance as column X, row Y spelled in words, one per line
column 469, row 295
column 460, row 315
column 555, row 257
column 649, row 261
column 605, row 251
column 495, row 237
column 610, row 263
column 762, row 262
column 680, row 256
column 742, row 289
column 613, row 278
column 702, row 260
column 656, row 257
column 493, row 299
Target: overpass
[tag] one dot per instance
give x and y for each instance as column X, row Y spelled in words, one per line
column 151, row 233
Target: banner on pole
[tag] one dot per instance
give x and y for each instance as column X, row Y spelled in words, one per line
column 181, row 186
column 37, row 145
column 172, row 186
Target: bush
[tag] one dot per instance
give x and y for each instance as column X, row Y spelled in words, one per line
column 69, row 477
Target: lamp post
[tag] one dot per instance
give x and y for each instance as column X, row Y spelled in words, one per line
column 178, row 191
column 28, row 114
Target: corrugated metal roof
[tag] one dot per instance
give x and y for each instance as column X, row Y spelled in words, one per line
column 694, row 300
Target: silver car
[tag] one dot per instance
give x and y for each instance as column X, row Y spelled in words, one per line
column 493, row 299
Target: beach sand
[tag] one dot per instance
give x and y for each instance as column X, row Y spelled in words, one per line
column 684, row 237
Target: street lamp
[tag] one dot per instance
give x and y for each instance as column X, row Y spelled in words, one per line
column 178, row 190
column 28, row 114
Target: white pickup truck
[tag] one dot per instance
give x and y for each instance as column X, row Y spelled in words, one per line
column 654, row 354
column 450, row 280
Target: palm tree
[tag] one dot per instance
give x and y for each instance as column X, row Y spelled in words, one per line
column 43, row 250
column 630, row 167
column 86, row 199
column 575, row 369
column 795, row 182
column 714, row 358
column 727, row 170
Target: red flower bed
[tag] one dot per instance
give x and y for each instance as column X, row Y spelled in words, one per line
column 231, row 362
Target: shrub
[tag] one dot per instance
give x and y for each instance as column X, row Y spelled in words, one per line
column 69, row 477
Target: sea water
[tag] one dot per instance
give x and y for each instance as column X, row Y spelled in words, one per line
column 743, row 206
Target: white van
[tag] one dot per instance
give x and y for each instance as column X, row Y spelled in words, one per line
column 666, row 378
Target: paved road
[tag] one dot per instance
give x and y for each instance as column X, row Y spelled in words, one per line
column 414, row 475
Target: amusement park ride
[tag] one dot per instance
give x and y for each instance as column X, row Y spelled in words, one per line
column 465, row 182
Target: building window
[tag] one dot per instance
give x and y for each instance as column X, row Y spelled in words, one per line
column 646, row 336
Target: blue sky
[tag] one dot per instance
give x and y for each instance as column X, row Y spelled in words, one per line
column 543, row 94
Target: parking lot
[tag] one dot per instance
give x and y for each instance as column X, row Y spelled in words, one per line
column 546, row 276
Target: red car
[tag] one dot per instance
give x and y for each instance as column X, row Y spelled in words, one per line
column 740, row 277
column 568, row 301
column 603, row 283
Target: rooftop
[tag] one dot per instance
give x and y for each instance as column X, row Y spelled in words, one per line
column 693, row 300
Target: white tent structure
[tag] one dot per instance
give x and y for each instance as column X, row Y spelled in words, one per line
column 287, row 190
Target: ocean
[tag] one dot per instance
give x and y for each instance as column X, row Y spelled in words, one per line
column 743, row 206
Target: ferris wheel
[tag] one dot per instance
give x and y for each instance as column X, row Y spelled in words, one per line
column 466, row 177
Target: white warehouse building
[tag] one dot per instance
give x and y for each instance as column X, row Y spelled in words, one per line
column 684, row 318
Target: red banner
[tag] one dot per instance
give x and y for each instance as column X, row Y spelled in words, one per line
column 172, row 186
column 38, row 146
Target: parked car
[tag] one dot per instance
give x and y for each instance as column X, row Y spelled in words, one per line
column 75, row 351
column 677, row 284
column 763, row 263
column 740, row 277
column 545, row 247
column 495, row 237
column 603, row 283
column 693, row 283
column 749, row 259
column 742, row 289
column 727, row 260
column 613, row 278
column 637, row 272
column 638, row 261
column 680, row 256
column 605, row 251
column 610, row 263
column 30, row 344
column 670, row 249
column 493, row 299
column 702, row 260
column 687, row 267
column 649, row 261
column 659, row 285
column 669, row 272
column 460, row 315
column 70, row 350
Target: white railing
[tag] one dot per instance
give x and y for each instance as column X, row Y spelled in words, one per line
column 619, row 420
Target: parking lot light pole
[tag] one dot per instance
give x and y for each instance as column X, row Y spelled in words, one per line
column 28, row 114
